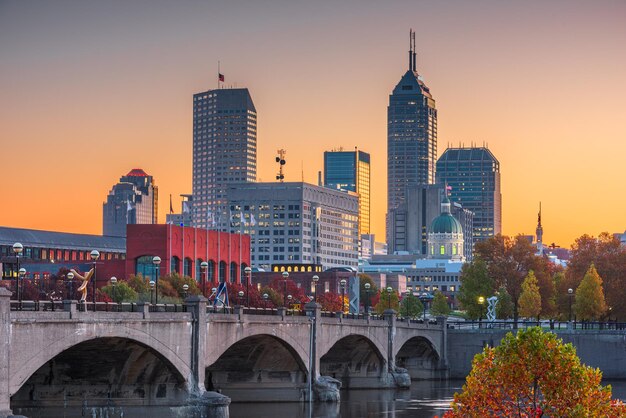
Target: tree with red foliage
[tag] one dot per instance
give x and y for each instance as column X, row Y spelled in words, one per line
column 297, row 293
column 330, row 301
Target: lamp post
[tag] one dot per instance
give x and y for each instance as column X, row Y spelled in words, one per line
column 289, row 299
column 315, row 279
column 407, row 294
column 481, row 302
column 185, row 290
column 570, row 294
column 95, row 255
column 113, row 283
column 425, row 280
column 389, row 290
column 214, row 295
column 240, row 294
column 265, row 297
column 342, row 283
column 151, row 292
column 156, row 261
column 205, row 272
column 424, row 299
column 17, row 250
column 248, row 272
column 70, row 279
column 367, row 298
column 285, row 277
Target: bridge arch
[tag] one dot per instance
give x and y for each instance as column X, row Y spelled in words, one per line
column 53, row 345
column 420, row 357
column 103, row 371
column 260, row 366
column 356, row 360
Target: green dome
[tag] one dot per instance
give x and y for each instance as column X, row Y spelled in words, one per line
column 446, row 224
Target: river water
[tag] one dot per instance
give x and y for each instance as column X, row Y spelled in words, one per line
column 425, row 399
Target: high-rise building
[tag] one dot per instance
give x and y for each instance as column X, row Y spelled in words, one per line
column 134, row 200
column 350, row 171
column 473, row 175
column 224, row 148
column 295, row 222
column 411, row 133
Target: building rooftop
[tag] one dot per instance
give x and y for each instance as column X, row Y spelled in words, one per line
column 136, row 172
column 61, row 240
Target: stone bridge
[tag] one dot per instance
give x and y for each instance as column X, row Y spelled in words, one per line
column 145, row 358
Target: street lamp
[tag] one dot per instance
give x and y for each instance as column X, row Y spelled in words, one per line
column 265, row 297
column 17, row 250
column 113, row 283
column 156, row 261
column 70, row 278
column 151, row 291
column 204, row 268
column 342, row 283
column 570, row 294
column 285, row 277
column 95, row 255
column 406, row 303
column 240, row 294
column 424, row 299
column 248, row 272
column 289, row 299
column 389, row 290
column 481, row 302
column 20, row 277
column 185, row 289
column 367, row 298
column 315, row 279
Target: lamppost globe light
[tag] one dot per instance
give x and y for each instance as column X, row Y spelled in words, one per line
column 342, row 282
column 389, row 289
column 570, row 290
column 22, row 271
column 113, row 280
column 18, row 248
column 289, row 297
column 70, row 276
column 95, row 254
column 316, row 278
column 367, row 286
column 214, row 290
column 481, row 299
column 204, row 265
column 156, row 260
column 247, row 270
column 152, row 284
column 185, row 287
column 240, row 293
column 285, row 274
column 265, row 296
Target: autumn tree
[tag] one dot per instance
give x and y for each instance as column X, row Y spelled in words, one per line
column 589, row 303
column 530, row 299
column 410, row 306
column 609, row 259
column 388, row 300
column 121, row 292
column 533, row 374
column 504, row 308
column 475, row 282
column 330, row 301
column 440, row 305
column 364, row 294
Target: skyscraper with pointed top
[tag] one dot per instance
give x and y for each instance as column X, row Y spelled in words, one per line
column 411, row 133
column 539, row 232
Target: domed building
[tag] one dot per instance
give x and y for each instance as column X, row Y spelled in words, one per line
column 445, row 237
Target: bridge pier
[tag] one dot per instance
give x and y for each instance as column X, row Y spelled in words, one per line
column 5, row 343
column 396, row 376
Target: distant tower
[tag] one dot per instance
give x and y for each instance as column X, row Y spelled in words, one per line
column 350, row 171
column 411, row 133
column 224, row 149
column 539, row 232
column 134, row 200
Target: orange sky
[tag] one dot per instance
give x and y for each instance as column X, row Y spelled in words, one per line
column 90, row 90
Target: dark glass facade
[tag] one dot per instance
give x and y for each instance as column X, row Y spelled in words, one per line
column 474, row 177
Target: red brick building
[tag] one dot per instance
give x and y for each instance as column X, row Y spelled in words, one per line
column 226, row 254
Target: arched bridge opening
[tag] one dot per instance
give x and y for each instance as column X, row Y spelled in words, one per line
column 355, row 361
column 259, row 368
column 420, row 358
column 102, row 372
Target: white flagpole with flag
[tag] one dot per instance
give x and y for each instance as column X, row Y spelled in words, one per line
column 241, row 223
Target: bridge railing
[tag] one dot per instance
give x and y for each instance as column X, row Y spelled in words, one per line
column 58, row 305
column 551, row 325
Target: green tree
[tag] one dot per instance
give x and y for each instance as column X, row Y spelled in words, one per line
column 387, row 300
column 504, row 308
column 177, row 282
column 440, row 305
column 475, row 282
column 121, row 292
column 363, row 294
column 589, row 303
column 138, row 283
column 530, row 299
column 410, row 306
column 533, row 374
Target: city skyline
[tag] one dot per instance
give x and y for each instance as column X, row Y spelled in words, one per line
column 94, row 88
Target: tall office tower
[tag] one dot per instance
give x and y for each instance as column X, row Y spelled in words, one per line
column 134, row 200
column 474, row 177
column 350, row 171
column 224, row 149
column 411, row 133
column 296, row 222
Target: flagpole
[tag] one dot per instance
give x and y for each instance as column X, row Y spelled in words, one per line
column 169, row 260
column 219, row 253
column 240, row 233
column 195, row 239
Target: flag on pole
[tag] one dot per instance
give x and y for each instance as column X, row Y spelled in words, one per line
column 220, row 76
column 129, row 207
column 185, row 206
column 252, row 220
column 242, row 220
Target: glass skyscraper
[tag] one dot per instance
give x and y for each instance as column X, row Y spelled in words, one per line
column 473, row 174
column 411, row 134
column 224, row 150
column 350, row 171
